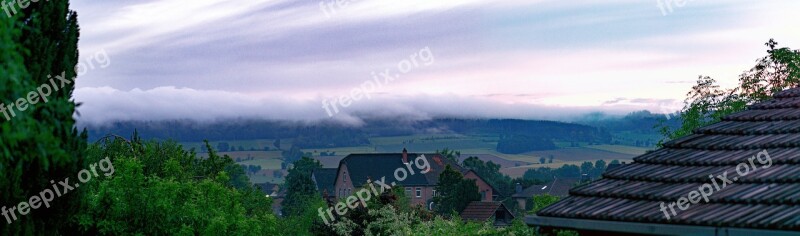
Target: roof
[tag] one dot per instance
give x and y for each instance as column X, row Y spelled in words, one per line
column 268, row 188
column 767, row 198
column 325, row 179
column 376, row 165
column 482, row 211
column 559, row 187
column 438, row 164
column 495, row 192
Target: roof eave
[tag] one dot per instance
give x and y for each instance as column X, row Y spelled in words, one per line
column 647, row 228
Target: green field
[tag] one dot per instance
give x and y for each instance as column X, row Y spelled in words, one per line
column 271, row 160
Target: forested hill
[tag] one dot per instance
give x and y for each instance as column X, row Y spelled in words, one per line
column 332, row 134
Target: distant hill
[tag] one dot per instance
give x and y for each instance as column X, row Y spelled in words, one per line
column 332, row 134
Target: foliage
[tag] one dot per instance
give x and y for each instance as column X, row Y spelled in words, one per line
column 707, row 102
column 542, row 201
column 490, row 172
column 389, row 215
column 41, row 143
column 546, row 174
column 300, row 188
column 160, row 189
column 454, row 192
column 450, row 154
column 292, row 155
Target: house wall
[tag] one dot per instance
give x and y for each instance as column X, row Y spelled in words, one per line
column 344, row 184
column 521, row 203
column 427, row 195
column 482, row 185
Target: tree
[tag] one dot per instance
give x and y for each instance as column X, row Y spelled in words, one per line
column 293, row 154
column 223, row 146
column 154, row 182
column 41, row 143
column 542, row 160
column 542, row 201
column 300, row 188
column 452, row 155
column 587, row 167
column 454, row 192
column 277, row 144
column 707, row 102
column 599, row 168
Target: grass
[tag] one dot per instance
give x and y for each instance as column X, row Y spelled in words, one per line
column 271, row 160
column 621, row 149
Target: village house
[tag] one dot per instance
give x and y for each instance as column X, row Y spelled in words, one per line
column 356, row 169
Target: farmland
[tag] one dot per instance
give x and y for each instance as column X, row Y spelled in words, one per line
column 481, row 146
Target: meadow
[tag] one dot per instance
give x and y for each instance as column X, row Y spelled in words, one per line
column 483, row 147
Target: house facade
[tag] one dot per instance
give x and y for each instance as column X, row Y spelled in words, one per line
column 356, row 170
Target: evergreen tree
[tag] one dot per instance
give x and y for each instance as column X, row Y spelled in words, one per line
column 41, row 143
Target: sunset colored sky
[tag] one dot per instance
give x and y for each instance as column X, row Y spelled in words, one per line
column 214, row 59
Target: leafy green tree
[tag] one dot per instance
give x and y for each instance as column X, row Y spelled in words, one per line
column 707, row 102
column 450, row 154
column 587, row 168
column 161, row 189
column 542, row 201
column 41, row 143
column 293, row 154
column 300, row 188
column 599, row 168
column 454, row 192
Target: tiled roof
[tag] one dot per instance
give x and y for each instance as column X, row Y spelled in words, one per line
column 375, row 166
column 559, row 187
column 481, row 211
column 325, row 179
column 767, row 198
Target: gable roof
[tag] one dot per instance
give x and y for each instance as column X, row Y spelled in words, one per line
column 482, row 211
column 438, row 164
column 376, row 165
column 764, row 199
column 559, row 187
column 325, row 178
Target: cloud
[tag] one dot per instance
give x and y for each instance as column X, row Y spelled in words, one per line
column 171, row 103
column 278, row 59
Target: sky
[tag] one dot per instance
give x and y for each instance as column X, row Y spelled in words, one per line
column 210, row 60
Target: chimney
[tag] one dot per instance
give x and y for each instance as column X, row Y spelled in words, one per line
column 518, row 189
column 405, row 155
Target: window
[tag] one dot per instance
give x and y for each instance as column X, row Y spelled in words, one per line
column 345, row 177
column 483, row 195
column 408, row 192
column 434, row 193
column 419, row 192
